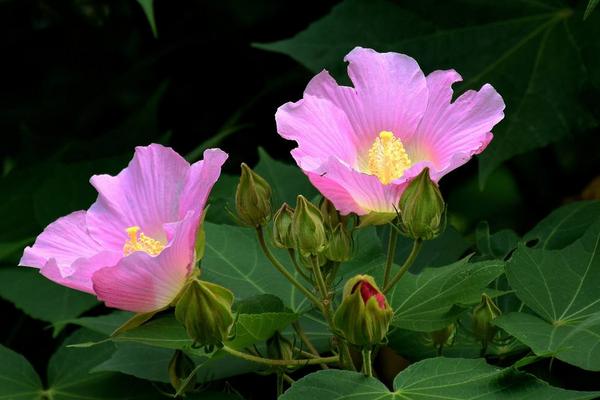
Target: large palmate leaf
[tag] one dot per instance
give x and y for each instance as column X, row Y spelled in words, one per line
column 527, row 50
column 561, row 287
column 433, row 298
column 437, row 378
column 69, row 376
column 41, row 298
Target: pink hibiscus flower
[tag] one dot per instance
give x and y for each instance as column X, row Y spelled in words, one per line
column 361, row 145
column 134, row 247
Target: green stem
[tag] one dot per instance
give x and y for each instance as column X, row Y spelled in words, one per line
column 319, row 277
column 284, row 271
column 367, row 364
column 409, row 261
column 292, row 254
column 334, row 271
column 391, row 252
column 309, row 345
column 280, row 363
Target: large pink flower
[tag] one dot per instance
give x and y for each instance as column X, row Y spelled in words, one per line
column 134, row 247
column 361, row 145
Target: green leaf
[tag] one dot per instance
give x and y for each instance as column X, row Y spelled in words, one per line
column 69, row 376
column 561, row 286
column 436, row 378
column 286, row 181
column 497, row 245
column 148, row 7
column 144, row 362
column 18, row 379
column 434, row 298
column 564, row 225
column 590, row 8
column 443, row 250
column 41, row 298
column 528, row 52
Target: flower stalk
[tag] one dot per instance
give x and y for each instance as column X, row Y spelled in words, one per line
column 280, row 363
column 407, row 264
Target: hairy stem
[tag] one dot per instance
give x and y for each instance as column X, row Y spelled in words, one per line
column 391, row 252
column 280, row 363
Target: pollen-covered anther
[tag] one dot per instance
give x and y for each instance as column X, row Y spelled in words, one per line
column 387, row 158
column 141, row 242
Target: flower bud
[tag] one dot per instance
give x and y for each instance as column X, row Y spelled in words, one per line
column 443, row 337
column 422, row 208
column 308, row 229
column 483, row 315
column 340, row 244
column 364, row 316
column 279, row 348
column 331, row 216
column 283, row 236
column 252, row 198
column 180, row 367
column 204, row 309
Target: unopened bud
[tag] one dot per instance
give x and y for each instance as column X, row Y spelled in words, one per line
column 331, row 216
column 443, row 337
column 364, row 316
column 279, row 348
column 180, row 368
column 253, row 198
column 307, row 225
column 340, row 245
column 422, row 208
column 204, row 309
column 483, row 315
column 283, row 236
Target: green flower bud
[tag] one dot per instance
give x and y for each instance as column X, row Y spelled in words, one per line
column 340, row 244
column 331, row 216
column 422, row 208
column 364, row 316
column 308, row 229
column 252, row 198
column 279, row 348
column 180, row 367
column 283, row 236
column 204, row 309
column 483, row 315
column 443, row 337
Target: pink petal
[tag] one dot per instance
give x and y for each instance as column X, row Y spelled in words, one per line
column 145, row 194
column 391, row 89
column 451, row 133
column 319, row 127
column 143, row 283
column 67, row 254
column 201, row 178
column 355, row 192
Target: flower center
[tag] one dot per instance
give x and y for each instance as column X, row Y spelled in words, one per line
column 387, row 158
column 141, row 242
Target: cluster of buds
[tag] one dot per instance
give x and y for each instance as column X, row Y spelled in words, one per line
column 364, row 316
column 422, row 211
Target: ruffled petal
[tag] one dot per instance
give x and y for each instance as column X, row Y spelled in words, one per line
column 450, row 133
column 145, row 194
column 201, row 178
column 319, row 127
column 67, row 254
column 143, row 283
